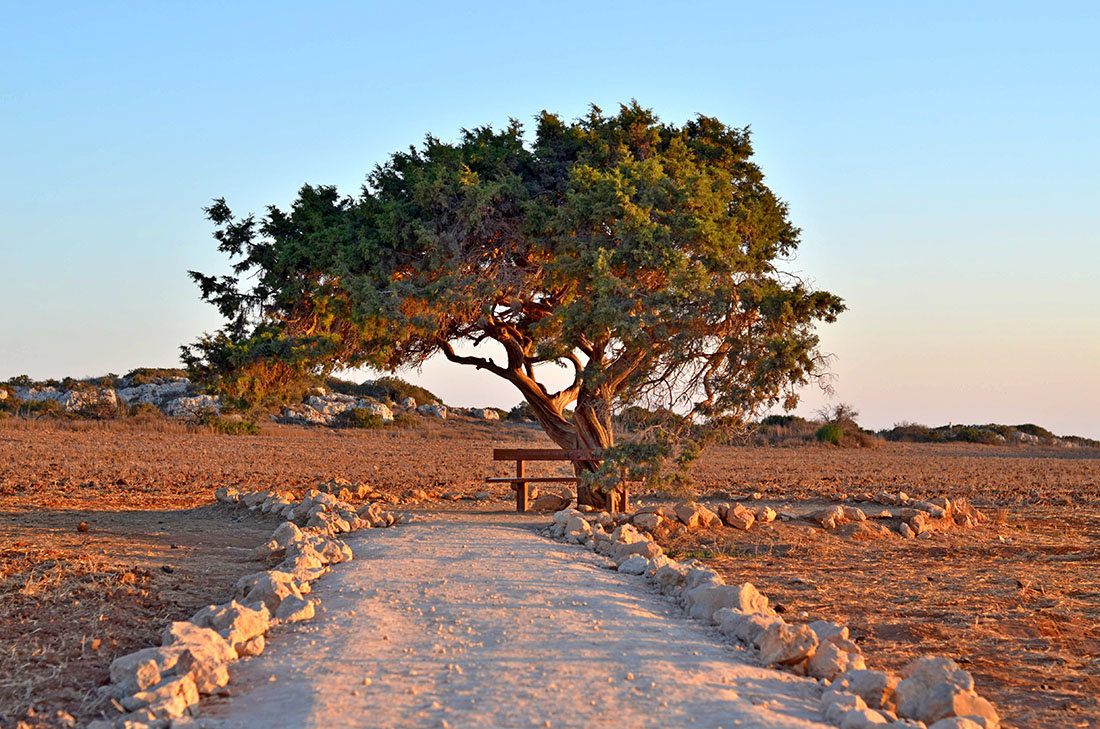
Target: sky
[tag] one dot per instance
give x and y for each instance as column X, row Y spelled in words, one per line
column 940, row 158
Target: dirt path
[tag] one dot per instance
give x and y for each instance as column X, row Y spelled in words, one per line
column 469, row 620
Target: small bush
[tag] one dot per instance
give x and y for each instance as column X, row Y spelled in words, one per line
column 146, row 375
column 1037, row 430
column 913, row 433
column 229, row 425
column 403, row 420
column 146, row 411
column 830, row 433
column 47, row 408
column 360, row 418
column 521, row 412
column 387, row 388
column 971, row 434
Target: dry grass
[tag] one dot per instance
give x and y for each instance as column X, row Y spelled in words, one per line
column 145, row 490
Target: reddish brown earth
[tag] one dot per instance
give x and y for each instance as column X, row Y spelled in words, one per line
column 1026, row 613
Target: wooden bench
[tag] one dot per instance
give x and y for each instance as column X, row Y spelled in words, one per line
column 617, row 499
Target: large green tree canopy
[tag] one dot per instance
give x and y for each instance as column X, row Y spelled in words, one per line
column 644, row 256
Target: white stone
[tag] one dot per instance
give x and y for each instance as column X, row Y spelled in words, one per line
column 835, row 704
column 270, row 588
column 635, row 565
column 861, row 719
column 747, row 628
column 293, row 609
column 831, row 660
column 787, row 644
column 921, row 674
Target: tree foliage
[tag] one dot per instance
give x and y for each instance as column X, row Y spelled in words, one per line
column 642, row 255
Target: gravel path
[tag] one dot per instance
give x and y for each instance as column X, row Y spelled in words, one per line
column 468, row 620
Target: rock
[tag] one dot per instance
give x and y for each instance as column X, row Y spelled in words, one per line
column 829, row 518
column 190, row 407
column 696, row 576
column 874, row 687
column 826, row 630
column 76, row 401
column 921, row 674
column 167, row 700
column 253, row 647
column 577, row 529
column 561, row 517
column 835, row 704
column 227, row 494
column 270, row 588
column 132, row 674
column 235, row 622
column 293, row 609
column 946, row 700
column 787, row 644
column 747, row 628
column 886, row 498
column 831, row 659
column 957, row 722
column 645, row 548
column 154, row 393
column 701, row 602
column 765, row 514
column 433, row 411
column 627, row 534
column 670, row 577
column 863, row 531
column 906, row 531
column 550, row 502
column 861, row 719
column 334, row 551
column 852, row 513
column 738, row 517
column 634, row 565
column 203, row 654
column 484, row 414
column 647, row 521
column 409, row 403
column 694, row 515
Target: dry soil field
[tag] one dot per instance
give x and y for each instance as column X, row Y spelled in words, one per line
column 1017, row 598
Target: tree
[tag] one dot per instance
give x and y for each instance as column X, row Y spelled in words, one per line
column 642, row 255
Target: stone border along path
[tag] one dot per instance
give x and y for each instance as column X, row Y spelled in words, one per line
column 516, row 675
column 932, row 691
column 159, row 687
column 470, row 619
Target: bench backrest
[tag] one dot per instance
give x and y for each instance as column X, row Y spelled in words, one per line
column 545, row 454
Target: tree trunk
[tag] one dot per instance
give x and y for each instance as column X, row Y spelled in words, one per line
column 592, row 423
column 590, row 429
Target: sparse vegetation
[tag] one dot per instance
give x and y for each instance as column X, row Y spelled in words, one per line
column 229, row 424
column 361, row 418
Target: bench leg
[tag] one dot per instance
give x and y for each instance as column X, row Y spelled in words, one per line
column 522, row 493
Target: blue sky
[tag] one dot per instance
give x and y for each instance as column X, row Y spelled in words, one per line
column 941, row 160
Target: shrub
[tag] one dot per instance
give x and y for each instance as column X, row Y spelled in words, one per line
column 972, row 434
column 521, row 412
column 781, row 421
column 146, row 375
column 146, row 411
column 229, row 425
column 1036, row 430
column 384, row 388
column 912, row 433
column 830, row 433
column 403, row 420
column 360, row 418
